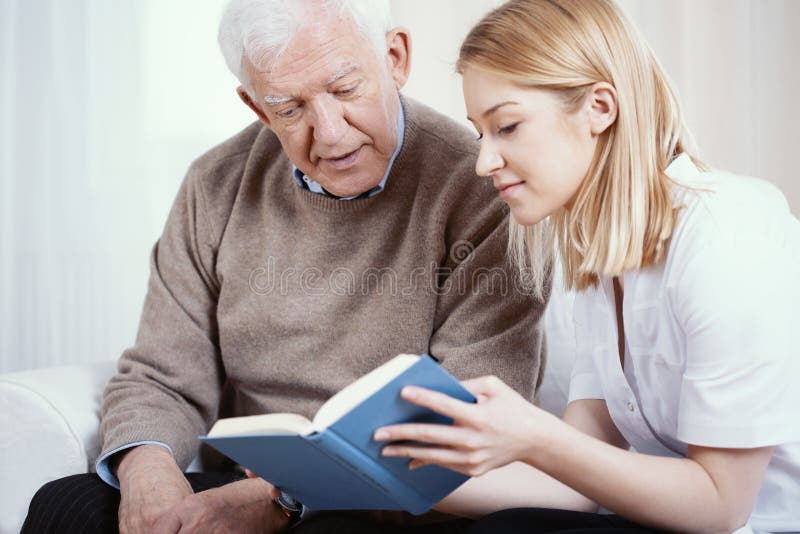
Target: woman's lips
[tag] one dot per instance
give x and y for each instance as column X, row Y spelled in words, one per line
column 508, row 190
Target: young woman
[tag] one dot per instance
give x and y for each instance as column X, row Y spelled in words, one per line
column 682, row 412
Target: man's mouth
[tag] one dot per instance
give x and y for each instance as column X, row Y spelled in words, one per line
column 343, row 161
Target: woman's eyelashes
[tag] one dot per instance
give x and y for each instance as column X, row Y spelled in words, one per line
column 502, row 131
column 508, row 130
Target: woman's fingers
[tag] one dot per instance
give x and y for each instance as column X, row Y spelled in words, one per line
column 458, row 410
column 455, row 448
column 472, row 463
column 438, row 402
column 466, row 415
column 484, row 386
column 416, row 464
column 428, row 455
column 424, row 433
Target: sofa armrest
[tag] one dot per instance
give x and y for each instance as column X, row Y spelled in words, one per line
column 49, row 428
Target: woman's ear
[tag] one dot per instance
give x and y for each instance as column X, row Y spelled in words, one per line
column 602, row 106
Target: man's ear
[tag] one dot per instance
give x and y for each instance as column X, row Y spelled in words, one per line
column 252, row 105
column 601, row 101
column 398, row 45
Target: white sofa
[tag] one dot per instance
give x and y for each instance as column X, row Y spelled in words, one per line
column 48, row 430
column 50, row 417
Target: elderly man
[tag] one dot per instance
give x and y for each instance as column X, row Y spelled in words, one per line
column 344, row 227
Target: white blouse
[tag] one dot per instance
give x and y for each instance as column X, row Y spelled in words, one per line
column 712, row 349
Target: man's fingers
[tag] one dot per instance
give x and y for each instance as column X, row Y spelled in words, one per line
column 169, row 523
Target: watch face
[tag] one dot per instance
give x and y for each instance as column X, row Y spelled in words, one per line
column 288, row 503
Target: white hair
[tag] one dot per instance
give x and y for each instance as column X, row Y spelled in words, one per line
column 260, row 30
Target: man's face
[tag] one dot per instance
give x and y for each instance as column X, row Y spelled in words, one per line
column 333, row 103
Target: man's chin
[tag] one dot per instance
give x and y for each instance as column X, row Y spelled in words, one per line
column 347, row 192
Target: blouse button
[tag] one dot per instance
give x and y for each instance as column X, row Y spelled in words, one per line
column 631, row 407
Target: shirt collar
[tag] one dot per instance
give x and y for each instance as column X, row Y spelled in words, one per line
column 681, row 167
column 306, row 182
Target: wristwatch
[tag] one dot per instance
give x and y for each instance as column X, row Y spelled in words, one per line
column 290, row 507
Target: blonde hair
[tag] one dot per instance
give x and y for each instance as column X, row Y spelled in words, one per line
column 622, row 216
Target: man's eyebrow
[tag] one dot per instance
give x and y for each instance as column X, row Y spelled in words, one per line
column 494, row 108
column 272, row 100
column 341, row 73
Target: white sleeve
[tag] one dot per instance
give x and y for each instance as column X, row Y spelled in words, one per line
column 585, row 381
column 734, row 290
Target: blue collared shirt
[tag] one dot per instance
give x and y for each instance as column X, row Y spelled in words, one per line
column 306, row 182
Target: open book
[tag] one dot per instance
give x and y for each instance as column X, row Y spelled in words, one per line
column 332, row 462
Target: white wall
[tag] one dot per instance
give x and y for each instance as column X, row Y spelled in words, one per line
column 735, row 64
column 103, row 104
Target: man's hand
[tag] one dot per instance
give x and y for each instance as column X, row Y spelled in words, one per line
column 245, row 506
column 157, row 498
column 151, row 483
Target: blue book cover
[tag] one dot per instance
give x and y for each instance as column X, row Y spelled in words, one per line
column 332, row 463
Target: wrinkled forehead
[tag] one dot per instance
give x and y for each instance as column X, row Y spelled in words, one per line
column 317, row 56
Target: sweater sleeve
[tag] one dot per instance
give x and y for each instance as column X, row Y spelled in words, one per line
column 485, row 322
column 169, row 383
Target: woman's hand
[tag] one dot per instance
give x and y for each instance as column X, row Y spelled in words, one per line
column 501, row 428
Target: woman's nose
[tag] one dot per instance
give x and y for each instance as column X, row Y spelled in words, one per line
column 489, row 160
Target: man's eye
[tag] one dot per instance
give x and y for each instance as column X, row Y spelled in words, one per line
column 346, row 92
column 505, row 130
column 286, row 113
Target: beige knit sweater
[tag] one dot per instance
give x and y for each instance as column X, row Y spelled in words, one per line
column 281, row 297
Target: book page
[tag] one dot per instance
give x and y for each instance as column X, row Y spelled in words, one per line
column 352, row 395
column 275, row 423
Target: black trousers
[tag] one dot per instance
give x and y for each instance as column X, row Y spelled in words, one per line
column 541, row 521
column 84, row 504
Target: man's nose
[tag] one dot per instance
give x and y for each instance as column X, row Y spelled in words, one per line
column 329, row 123
column 489, row 160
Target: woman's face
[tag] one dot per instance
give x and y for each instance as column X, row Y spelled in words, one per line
column 534, row 150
